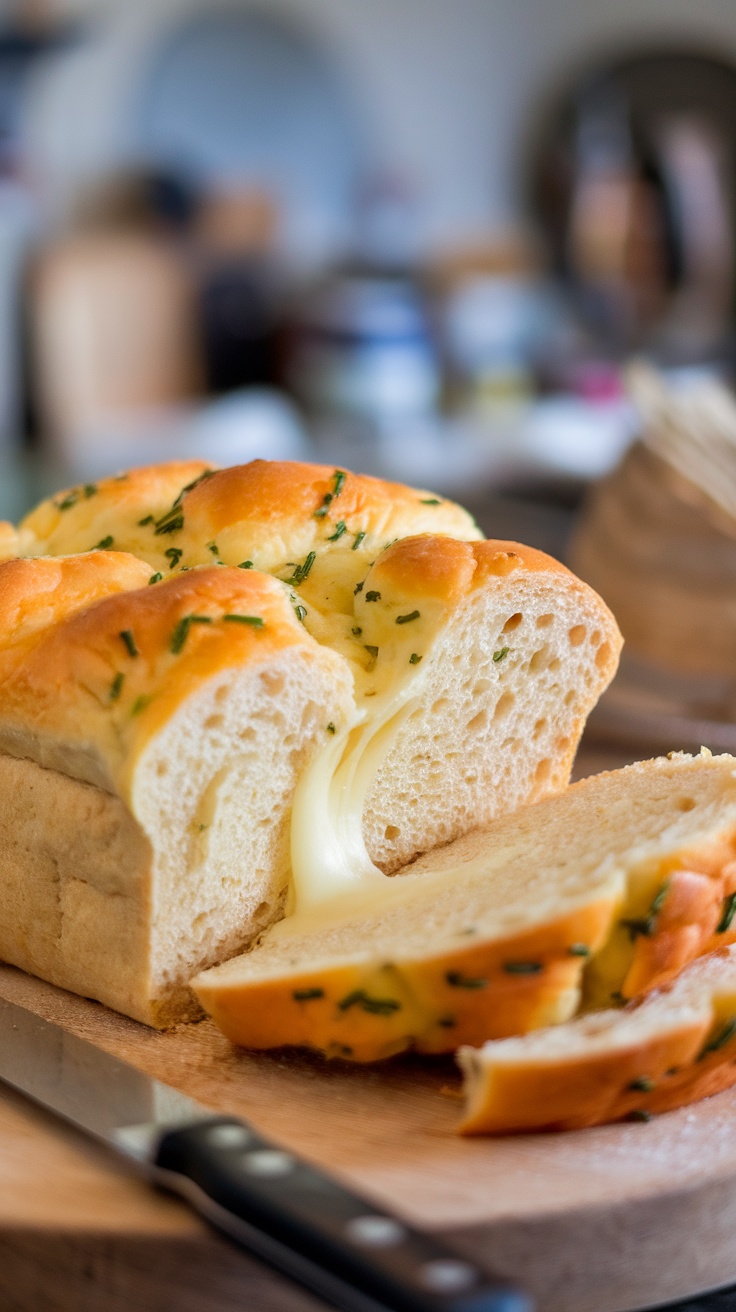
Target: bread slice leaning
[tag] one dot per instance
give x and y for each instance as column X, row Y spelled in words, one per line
column 604, row 891
column 150, row 744
column 674, row 1047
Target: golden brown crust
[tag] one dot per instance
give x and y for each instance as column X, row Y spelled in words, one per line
column 40, row 592
column 84, row 685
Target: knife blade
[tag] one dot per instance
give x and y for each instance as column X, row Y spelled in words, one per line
column 299, row 1220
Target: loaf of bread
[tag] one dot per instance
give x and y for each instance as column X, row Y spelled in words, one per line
column 601, row 893
column 676, row 1046
column 304, row 679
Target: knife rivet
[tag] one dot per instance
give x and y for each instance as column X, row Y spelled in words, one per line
column 268, row 1162
column 375, row 1231
column 228, row 1136
column 446, row 1275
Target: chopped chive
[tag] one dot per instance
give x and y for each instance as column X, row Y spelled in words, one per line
column 321, row 512
column 301, row 572
column 129, row 640
column 104, row 544
column 213, row 547
column 356, row 632
column 179, row 636
column 206, row 473
column 373, row 596
column 641, row 1085
column 729, row 911
column 339, row 477
column 307, row 995
column 719, row 1040
column 169, row 525
column 358, row 588
column 116, row 687
column 456, row 980
column 140, row 704
column 358, row 539
column 148, row 519
column 430, row 501
column 578, row 950
column 500, row 655
column 414, row 659
column 245, row 564
column 330, row 727
column 639, row 1114
column 301, row 613
column 89, row 489
column 255, row 621
column 646, row 925
column 155, row 578
column 69, row 500
column 202, row 828
column 372, row 651
column 407, row 619
column 340, row 528
column 523, row 967
column 173, row 555
column 375, row 1006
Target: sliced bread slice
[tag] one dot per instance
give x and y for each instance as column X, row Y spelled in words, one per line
column 609, row 888
column 674, row 1047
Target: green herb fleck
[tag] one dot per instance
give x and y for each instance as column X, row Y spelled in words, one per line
column 301, row 613
column 116, row 687
column 245, row 564
column 206, row 473
column 104, row 544
column 356, row 632
column 646, row 925
column 500, row 655
column 339, row 477
column 340, row 528
column 173, row 555
column 358, row 539
column 639, row 1114
column 89, row 489
column 456, row 980
column 301, row 572
column 69, row 500
column 523, row 967
column 414, row 659
column 129, row 640
column 255, row 621
column 728, row 913
column 373, row 596
column 375, row 1006
column 202, row 828
column 719, row 1040
column 140, row 704
column 330, row 727
column 430, row 501
column 307, row 995
column 407, row 619
column 171, row 522
column 155, row 578
column 148, row 519
column 578, row 950
column 372, row 651
column 358, row 588
column 642, row 1085
column 213, row 547
column 180, row 634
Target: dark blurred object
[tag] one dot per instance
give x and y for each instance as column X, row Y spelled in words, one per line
column 138, row 200
column 634, row 180
column 657, row 539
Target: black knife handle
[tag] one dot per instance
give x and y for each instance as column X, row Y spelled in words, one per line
column 351, row 1253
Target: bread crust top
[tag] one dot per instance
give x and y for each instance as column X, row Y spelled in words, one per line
column 87, row 691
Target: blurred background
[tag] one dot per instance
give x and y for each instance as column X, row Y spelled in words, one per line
column 488, row 247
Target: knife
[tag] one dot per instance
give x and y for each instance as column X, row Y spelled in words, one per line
column 300, row 1221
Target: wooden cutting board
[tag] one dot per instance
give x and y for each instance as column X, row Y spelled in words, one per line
column 596, row 1221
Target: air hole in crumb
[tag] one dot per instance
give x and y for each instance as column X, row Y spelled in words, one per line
column 563, row 744
column 512, row 622
column 542, row 772
column 247, row 735
column 686, row 804
column 571, row 697
column 540, row 727
column 440, row 705
column 273, row 683
column 221, row 693
column 577, row 634
column 554, row 664
column 481, row 687
column 478, row 722
column 503, row 705
column 538, row 661
column 544, row 621
column 162, row 768
column 595, row 637
column 603, row 655
column 214, row 722
column 391, row 832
